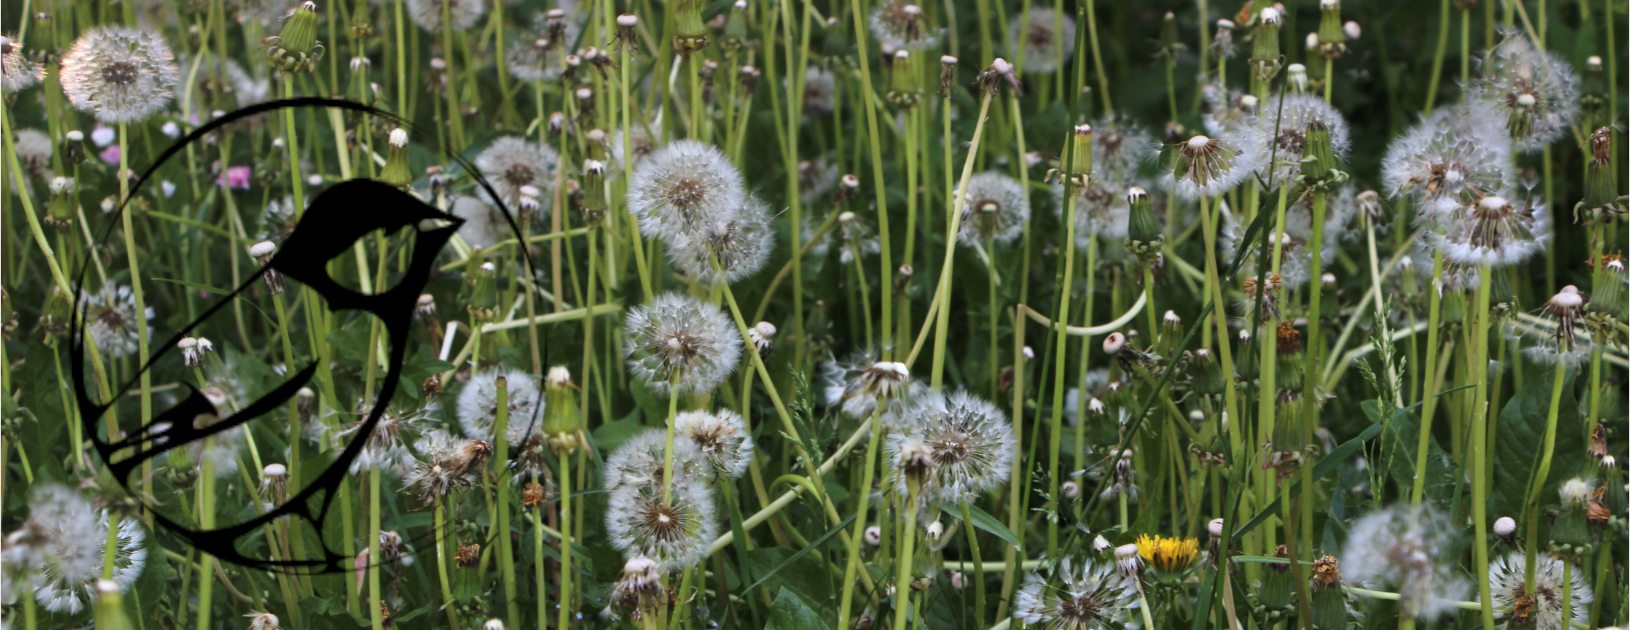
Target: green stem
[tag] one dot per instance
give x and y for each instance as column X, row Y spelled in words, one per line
column 506, row 551
column 1547, row 449
column 439, row 532
column 978, row 567
column 902, row 563
column 1479, row 444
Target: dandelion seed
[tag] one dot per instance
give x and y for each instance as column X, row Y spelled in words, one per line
column 1536, row 90
column 682, row 186
column 1047, row 40
column 970, row 445
column 1400, row 547
column 1540, row 608
column 721, row 437
column 995, row 209
column 511, row 162
column 119, row 74
column 478, row 405
column 681, row 343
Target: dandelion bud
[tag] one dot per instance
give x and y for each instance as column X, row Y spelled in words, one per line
column 1571, row 532
column 1332, row 37
column 1081, row 150
column 61, row 206
column 1602, row 199
column 1296, row 78
column 295, row 49
column 396, row 172
column 690, row 34
column 639, row 593
column 110, row 610
column 1575, row 491
column 1265, row 56
column 1319, row 161
column 73, row 146
column 1143, row 235
column 903, row 90
column 1327, row 280
column 262, row 253
column 562, row 424
column 1215, row 528
column 947, row 75
column 626, row 25
column 873, row 536
column 735, row 28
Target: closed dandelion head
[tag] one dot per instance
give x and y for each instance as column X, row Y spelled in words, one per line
column 478, row 405
column 119, row 74
column 111, row 316
column 995, row 209
column 1460, row 151
column 901, row 25
column 1540, row 607
column 1101, row 209
column 721, row 437
column 17, row 72
column 1537, row 91
column 727, row 249
column 674, row 533
column 858, row 386
column 1202, row 166
column 462, row 14
column 1400, row 547
column 639, row 462
column 681, row 343
column 60, row 549
column 639, row 592
column 1275, row 141
column 969, row 445
column 511, row 162
column 1045, row 38
column 1495, row 230
column 682, row 187
column 1168, row 554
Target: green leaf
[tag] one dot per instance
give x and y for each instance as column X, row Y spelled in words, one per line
column 1402, row 441
column 983, row 520
column 1519, row 439
column 812, row 546
column 791, row 613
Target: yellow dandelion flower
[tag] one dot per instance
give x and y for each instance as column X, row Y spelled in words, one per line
column 1168, row 554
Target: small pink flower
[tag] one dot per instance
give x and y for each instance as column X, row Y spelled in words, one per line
column 236, row 177
column 110, row 155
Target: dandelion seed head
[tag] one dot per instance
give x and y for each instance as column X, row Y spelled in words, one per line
column 674, row 533
column 1540, row 608
column 1204, row 169
column 1399, row 547
column 968, row 441
column 119, row 74
column 1275, row 141
column 1495, row 230
column 728, row 249
column 858, row 386
column 996, row 209
column 721, row 437
column 1118, row 154
column 639, row 462
column 111, row 316
column 1461, row 150
column 900, row 25
column 511, row 162
column 60, row 549
column 17, row 71
column 462, row 14
column 684, row 185
column 681, row 343
column 1536, row 91
column 478, row 405
column 1045, row 39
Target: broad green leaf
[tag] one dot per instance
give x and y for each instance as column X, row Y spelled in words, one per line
column 789, row 612
column 812, row 546
column 1519, row 439
column 983, row 520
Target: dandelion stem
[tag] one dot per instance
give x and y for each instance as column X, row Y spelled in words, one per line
column 563, row 617
column 902, row 562
column 1543, row 471
column 863, row 502
column 1479, row 443
column 506, row 551
column 942, row 294
column 438, row 536
column 978, row 566
column 876, row 145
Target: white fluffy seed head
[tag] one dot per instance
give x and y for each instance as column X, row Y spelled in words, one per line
column 1215, row 528
column 1575, row 491
column 399, row 138
column 1505, row 526
column 628, row 20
